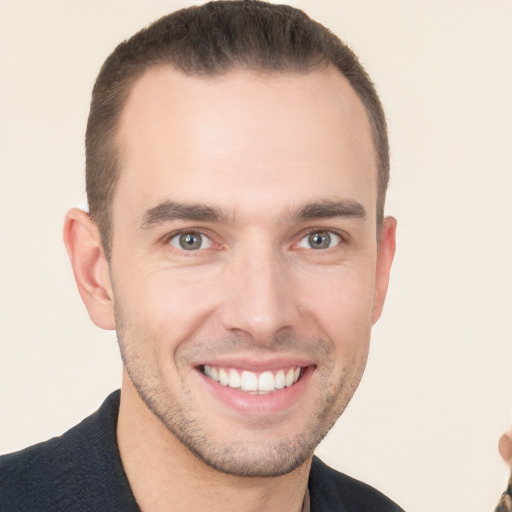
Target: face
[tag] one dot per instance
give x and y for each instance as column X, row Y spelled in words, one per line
column 245, row 269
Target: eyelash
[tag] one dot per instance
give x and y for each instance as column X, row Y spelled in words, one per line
column 169, row 238
column 342, row 238
column 330, row 233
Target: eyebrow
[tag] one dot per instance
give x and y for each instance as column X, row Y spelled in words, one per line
column 169, row 211
column 328, row 209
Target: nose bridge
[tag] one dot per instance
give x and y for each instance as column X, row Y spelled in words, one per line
column 260, row 299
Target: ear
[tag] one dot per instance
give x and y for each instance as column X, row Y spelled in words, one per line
column 90, row 267
column 385, row 254
column 505, row 447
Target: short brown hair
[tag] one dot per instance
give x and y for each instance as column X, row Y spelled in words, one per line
column 212, row 39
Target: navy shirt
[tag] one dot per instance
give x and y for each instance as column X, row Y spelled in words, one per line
column 81, row 471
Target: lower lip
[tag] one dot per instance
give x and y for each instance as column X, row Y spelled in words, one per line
column 254, row 404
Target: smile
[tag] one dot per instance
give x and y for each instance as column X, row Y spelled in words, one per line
column 252, row 382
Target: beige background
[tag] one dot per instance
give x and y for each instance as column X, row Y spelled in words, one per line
column 437, row 393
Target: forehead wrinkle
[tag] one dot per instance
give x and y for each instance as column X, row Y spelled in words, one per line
column 169, row 211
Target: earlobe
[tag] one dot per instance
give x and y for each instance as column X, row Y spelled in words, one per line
column 385, row 255
column 90, row 267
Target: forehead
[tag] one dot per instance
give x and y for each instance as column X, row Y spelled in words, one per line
column 254, row 136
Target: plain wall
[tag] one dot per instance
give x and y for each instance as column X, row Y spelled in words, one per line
column 437, row 393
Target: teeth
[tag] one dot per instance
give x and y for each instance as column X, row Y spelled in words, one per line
column 288, row 380
column 223, row 377
column 266, row 382
column 234, row 379
column 279, row 379
column 251, row 382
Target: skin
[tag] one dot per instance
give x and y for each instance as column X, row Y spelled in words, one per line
column 505, row 447
column 276, row 157
column 505, row 450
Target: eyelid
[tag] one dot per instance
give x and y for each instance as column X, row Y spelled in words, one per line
column 343, row 237
column 166, row 240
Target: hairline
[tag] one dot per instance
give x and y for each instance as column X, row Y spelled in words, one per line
column 117, row 143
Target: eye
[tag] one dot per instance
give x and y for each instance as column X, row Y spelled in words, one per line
column 320, row 240
column 190, row 241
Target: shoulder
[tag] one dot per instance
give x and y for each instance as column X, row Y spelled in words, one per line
column 70, row 472
column 331, row 490
column 33, row 474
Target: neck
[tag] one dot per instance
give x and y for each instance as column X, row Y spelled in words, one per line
column 163, row 472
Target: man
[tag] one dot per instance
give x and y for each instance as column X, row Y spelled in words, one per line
column 237, row 164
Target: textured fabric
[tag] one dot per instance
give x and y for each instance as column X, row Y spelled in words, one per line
column 331, row 491
column 81, row 471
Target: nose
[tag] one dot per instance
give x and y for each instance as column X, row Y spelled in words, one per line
column 260, row 300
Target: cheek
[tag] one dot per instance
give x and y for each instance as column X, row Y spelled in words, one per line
column 343, row 304
column 171, row 304
column 341, row 312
